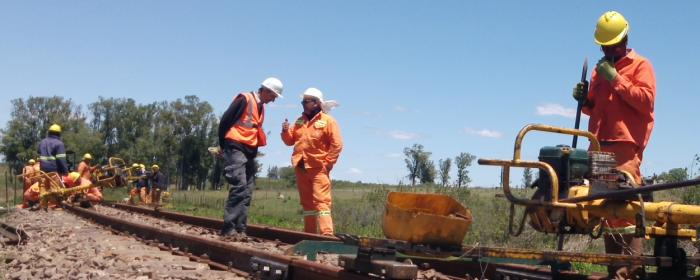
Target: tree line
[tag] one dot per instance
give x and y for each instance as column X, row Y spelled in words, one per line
column 422, row 169
column 173, row 134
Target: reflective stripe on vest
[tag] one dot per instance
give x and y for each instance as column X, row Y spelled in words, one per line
column 49, row 158
column 317, row 213
column 248, row 129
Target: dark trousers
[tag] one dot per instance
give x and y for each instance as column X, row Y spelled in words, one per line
column 239, row 170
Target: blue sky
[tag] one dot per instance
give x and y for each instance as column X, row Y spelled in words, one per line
column 455, row 76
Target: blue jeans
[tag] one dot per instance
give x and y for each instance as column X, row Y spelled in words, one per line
column 239, row 171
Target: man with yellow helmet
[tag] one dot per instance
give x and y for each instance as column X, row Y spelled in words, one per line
column 84, row 168
column 158, row 183
column 620, row 103
column 52, row 152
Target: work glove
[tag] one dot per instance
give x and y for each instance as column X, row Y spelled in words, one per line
column 285, row 125
column 581, row 92
column 607, row 69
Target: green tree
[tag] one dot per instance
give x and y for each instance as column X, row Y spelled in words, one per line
column 416, row 159
column 288, row 175
column 29, row 122
column 445, row 166
column 674, row 175
column 527, row 177
column 273, row 172
column 463, row 161
column 427, row 172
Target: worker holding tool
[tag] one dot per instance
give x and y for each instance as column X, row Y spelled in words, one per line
column 620, row 103
column 240, row 134
column 140, row 189
column 317, row 144
column 52, row 152
column 84, row 168
column 27, row 172
column 158, row 184
column 92, row 195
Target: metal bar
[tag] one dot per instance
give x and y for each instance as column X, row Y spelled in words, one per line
column 221, row 252
column 631, row 192
column 261, row 231
column 603, row 259
column 14, row 235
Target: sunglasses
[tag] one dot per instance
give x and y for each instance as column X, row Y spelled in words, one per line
column 307, row 101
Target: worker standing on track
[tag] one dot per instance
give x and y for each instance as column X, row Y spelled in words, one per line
column 240, row 134
column 84, row 168
column 620, row 104
column 158, row 184
column 52, row 152
column 317, row 146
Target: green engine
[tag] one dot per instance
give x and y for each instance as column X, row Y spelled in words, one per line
column 571, row 166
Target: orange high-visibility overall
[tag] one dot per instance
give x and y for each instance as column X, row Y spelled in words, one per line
column 317, row 145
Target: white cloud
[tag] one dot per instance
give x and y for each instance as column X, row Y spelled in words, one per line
column 403, row 135
column 393, row 155
column 484, row 133
column 399, row 108
column 354, row 171
column 551, row 109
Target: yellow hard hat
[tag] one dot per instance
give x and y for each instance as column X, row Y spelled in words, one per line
column 32, row 162
column 74, row 176
column 87, row 156
column 155, row 167
column 611, row 28
column 55, row 128
column 135, row 165
column 142, row 166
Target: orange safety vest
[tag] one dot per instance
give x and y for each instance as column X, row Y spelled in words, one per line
column 248, row 129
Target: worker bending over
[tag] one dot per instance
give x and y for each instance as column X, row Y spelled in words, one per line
column 317, row 144
column 91, row 195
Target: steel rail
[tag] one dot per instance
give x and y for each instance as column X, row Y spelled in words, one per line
column 224, row 253
column 458, row 268
column 13, row 235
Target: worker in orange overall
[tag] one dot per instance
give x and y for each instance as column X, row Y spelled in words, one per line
column 240, row 134
column 620, row 103
column 74, row 179
column 84, row 168
column 27, row 173
column 317, row 145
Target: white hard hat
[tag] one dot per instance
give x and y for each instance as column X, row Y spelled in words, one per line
column 326, row 105
column 273, row 84
column 313, row 92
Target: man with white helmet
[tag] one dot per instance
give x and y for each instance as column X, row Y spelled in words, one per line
column 240, row 134
column 317, row 146
column 620, row 103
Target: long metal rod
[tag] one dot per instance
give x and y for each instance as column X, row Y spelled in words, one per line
column 264, row 232
column 631, row 192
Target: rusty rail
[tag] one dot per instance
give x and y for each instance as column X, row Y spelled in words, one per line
column 260, row 231
column 223, row 253
column 457, row 268
column 13, row 235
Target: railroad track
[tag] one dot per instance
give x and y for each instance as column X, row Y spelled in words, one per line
column 296, row 268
